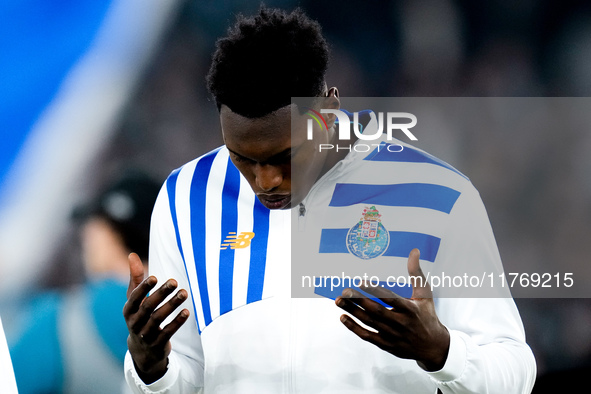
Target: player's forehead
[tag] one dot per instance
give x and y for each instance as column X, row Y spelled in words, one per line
column 274, row 128
column 256, row 138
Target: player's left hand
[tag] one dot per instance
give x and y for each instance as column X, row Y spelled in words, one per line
column 410, row 329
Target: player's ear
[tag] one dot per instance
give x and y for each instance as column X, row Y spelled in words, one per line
column 331, row 101
column 332, row 98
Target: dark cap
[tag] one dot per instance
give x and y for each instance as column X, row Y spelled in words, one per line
column 127, row 205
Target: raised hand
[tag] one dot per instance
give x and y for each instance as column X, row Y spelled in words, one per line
column 148, row 343
column 410, row 329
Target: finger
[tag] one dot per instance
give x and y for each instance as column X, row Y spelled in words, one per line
column 160, row 314
column 368, row 318
column 387, row 296
column 151, row 303
column 364, row 334
column 136, row 272
column 362, row 300
column 383, row 318
column 137, row 296
column 420, row 286
column 171, row 328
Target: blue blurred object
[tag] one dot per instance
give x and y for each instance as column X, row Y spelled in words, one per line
column 65, row 329
column 40, row 42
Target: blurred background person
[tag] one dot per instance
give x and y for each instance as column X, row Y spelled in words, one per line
column 74, row 340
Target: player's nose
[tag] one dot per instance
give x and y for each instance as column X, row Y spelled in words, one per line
column 268, row 177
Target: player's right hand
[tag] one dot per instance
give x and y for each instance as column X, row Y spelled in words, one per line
column 148, row 343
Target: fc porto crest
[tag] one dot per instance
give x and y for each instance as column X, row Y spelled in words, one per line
column 368, row 238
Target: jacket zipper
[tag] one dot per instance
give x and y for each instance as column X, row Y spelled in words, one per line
column 292, row 349
column 302, row 208
column 302, row 217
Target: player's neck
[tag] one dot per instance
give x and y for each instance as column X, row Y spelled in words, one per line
column 334, row 156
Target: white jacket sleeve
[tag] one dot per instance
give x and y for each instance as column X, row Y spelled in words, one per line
column 480, row 362
column 488, row 352
column 185, row 363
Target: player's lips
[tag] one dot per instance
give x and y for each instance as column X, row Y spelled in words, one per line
column 274, row 201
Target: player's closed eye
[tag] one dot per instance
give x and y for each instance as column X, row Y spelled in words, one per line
column 242, row 159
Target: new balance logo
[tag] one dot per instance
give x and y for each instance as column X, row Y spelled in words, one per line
column 239, row 241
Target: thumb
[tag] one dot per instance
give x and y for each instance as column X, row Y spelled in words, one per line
column 136, row 272
column 420, row 287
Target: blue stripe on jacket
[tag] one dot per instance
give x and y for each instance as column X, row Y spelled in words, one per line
column 420, row 195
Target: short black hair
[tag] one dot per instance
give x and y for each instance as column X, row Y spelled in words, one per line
column 267, row 59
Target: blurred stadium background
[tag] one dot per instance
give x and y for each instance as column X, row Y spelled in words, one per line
column 90, row 88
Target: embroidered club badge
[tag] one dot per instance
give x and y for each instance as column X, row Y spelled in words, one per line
column 368, row 238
